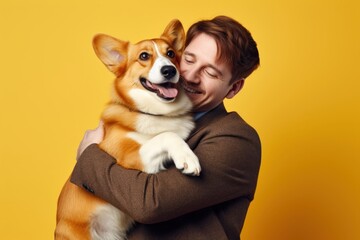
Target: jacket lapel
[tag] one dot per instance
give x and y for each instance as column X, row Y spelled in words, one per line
column 210, row 117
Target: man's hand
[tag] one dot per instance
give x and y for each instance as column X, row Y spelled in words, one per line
column 91, row 136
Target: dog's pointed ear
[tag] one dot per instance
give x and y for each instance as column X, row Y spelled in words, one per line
column 174, row 33
column 112, row 52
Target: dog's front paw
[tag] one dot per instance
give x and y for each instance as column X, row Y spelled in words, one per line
column 185, row 160
column 169, row 146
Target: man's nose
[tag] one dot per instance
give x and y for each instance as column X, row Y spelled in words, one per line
column 192, row 75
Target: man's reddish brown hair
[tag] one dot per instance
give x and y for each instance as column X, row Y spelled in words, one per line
column 236, row 47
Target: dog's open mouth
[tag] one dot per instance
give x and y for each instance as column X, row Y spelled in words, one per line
column 167, row 91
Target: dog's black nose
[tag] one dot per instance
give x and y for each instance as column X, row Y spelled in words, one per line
column 168, row 71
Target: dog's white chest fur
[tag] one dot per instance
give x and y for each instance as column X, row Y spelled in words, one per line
column 162, row 139
column 148, row 126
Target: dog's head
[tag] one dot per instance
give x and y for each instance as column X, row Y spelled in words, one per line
column 147, row 76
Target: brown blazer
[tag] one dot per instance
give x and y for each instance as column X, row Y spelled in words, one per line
column 170, row 205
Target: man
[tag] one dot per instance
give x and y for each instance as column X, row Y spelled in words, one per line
column 219, row 55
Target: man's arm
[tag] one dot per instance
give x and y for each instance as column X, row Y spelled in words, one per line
column 230, row 164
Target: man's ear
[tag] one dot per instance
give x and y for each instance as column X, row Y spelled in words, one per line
column 112, row 52
column 235, row 88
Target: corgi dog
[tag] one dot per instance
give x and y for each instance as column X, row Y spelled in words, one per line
column 145, row 122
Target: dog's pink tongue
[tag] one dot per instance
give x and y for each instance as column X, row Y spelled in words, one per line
column 167, row 92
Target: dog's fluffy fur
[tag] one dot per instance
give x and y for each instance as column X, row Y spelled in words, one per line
column 145, row 124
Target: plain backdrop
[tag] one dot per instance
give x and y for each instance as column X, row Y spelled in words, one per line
column 303, row 100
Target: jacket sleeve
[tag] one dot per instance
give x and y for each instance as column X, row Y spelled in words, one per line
column 230, row 163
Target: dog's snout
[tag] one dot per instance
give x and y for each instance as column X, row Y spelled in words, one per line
column 168, row 71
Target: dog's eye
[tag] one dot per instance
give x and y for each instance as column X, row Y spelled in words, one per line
column 170, row 54
column 144, row 56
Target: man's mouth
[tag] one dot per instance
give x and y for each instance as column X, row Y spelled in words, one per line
column 189, row 89
column 167, row 91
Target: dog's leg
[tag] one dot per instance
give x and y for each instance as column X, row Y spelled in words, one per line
column 109, row 223
column 73, row 212
column 169, row 146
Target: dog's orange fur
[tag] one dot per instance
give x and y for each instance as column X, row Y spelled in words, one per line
column 119, row 117
column 118, row 121
column 72, row 222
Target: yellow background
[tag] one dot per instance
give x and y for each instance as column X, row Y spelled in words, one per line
column 304, row 102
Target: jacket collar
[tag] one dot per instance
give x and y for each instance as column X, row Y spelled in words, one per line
column 211, row 116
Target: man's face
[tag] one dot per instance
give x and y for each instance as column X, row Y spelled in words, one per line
column 205, row 80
